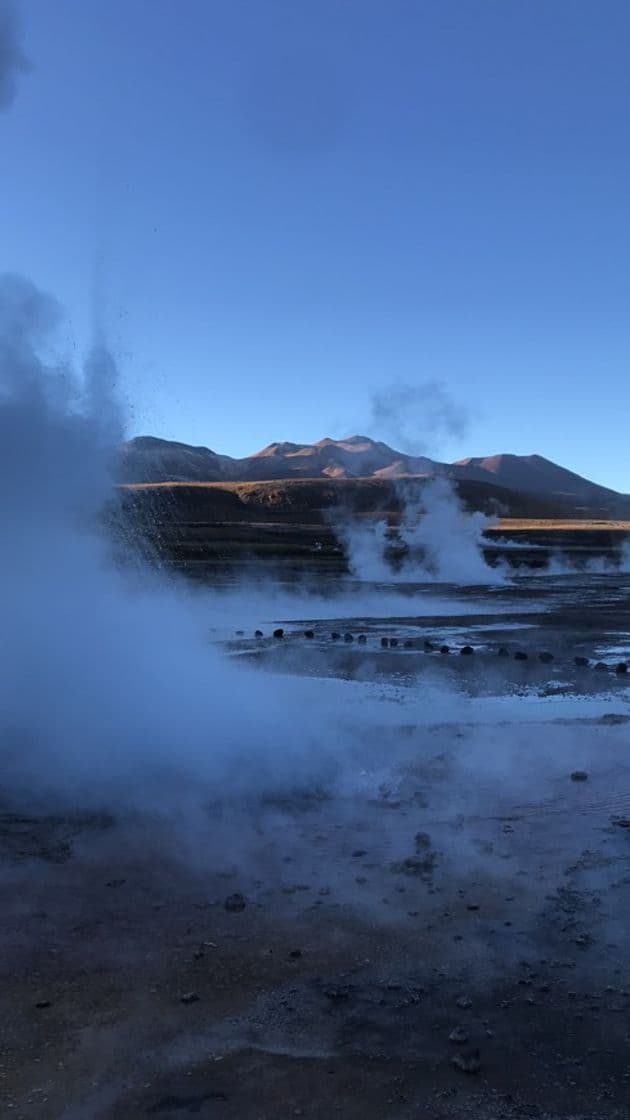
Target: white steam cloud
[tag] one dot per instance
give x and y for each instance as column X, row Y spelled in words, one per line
column 438, row 539
column 110, row 691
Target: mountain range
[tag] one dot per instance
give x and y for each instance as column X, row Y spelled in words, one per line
column 147, row 459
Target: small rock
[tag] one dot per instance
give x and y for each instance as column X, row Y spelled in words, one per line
column 472, row 905
column 466, row 651
column 458, row 1035
column 348, row 638
column 545, row 657
column 279, row 633
column 362, row 639
column 503, row 652
column 601, row 667
column 234, row 903
column 621, row 668
column 581, row 662
column 520, row 655
column 429, row 646
column 464, row 1002
column 445, row 649
column 393, row 641
column 116, row 882
column 337, row 992
column 335, row 636
column 295, row 954
column 258, row 633
column 189, row 997
column 42, row 1004
column 469, row 1061
column 358, row 852
column 579, row 776
column 409, row 644
column 384, row 642
column 309, row 634
column 239, row 633
column 584, row 940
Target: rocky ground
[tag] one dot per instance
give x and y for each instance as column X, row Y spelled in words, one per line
column 442, row 933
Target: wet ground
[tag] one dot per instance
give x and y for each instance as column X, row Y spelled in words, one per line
column 437, row 927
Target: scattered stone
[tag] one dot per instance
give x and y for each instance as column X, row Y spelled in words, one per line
column 42, row 1004
column 520, row 655
column 189, row 997
column 458, row 1035
column 469, row 1061
column 337, row 992
column 581, row 662
column 464, row 1002
column 279, row 633
column 621, row 668
column 362, row 639
column 258, row 634
column 503, row 652
column 309, row 634
column 348, row 638
column 579, row 776
column 545, row 657
column 384, row 642
column 234, row 903
column 416, row 865
column 584, row 940
column 445, row 649
column 466, row 651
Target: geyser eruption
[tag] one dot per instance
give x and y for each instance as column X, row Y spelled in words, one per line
column 110, row 693
column 436, row 540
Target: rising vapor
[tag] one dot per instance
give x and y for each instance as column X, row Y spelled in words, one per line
column 416, row 418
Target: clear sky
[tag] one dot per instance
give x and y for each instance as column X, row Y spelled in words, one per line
column 287, row 206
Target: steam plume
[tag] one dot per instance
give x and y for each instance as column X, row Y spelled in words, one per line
column 416, row 418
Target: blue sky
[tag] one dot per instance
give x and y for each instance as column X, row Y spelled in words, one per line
column 292, row 205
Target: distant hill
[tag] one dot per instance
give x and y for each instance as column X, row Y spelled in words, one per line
column 147, row 459
column 533, row 474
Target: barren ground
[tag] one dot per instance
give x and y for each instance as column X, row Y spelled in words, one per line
column 461, row 881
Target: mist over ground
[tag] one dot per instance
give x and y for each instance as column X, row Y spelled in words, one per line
column 346, row 844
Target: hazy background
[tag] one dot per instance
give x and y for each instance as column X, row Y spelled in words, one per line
column 282, row 207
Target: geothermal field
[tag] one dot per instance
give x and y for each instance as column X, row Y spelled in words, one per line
column 358, row 848
column 314, row 560
column 355, row 843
